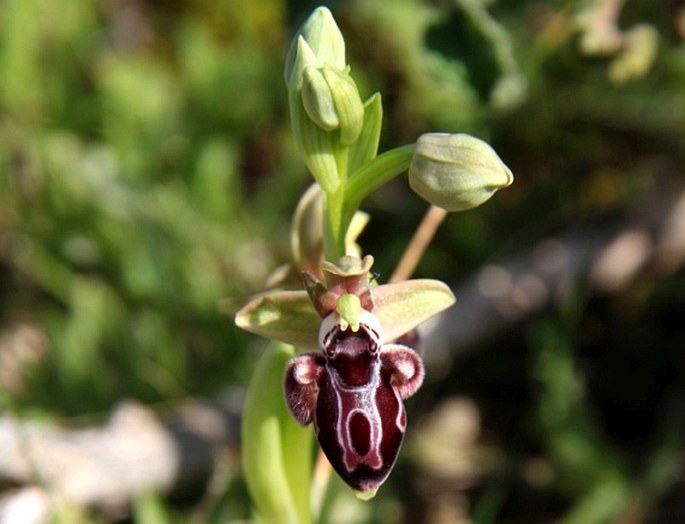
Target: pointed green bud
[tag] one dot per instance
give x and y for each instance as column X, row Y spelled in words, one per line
column 456, row 171
column 324, row 37
column 347, row 102
column 300, row 57
column 318, row 99
column 331, row 99
column 324, row 44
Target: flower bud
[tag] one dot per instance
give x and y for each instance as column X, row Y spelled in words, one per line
column 456, row 171
column 325, row 107
column 331, row 99
column 323, row 42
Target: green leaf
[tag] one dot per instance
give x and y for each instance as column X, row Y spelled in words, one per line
column 287, row 316
column 150, row 507
column 277, row 452
column 402, row 306
column 365, row 148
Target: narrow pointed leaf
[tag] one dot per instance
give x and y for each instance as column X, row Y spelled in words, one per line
column 402, row 306
column 287, row 316
column 365, row 148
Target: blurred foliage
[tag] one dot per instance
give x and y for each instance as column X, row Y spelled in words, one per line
column 147, row 171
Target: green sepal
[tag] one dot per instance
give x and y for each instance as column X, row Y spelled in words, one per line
column 317, row 146
column 317, row 99
column 299, row 57
column 365, row 148
column 323, row 39
column 331, row 100
column 287, row 316
column 277, row 451
column 402, row 306
column 347, row 103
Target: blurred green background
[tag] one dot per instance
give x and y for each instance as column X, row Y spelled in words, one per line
column 147, row 172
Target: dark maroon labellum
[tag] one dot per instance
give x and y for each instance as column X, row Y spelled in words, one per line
column 353, row 393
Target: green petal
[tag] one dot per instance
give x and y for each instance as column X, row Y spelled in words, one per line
column 287, row 316
column 402, row 306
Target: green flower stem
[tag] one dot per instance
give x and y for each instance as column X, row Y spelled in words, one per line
column 342, row 203
column 335, row 225
column 374, row 174
column 277, row 451
column 334, row 228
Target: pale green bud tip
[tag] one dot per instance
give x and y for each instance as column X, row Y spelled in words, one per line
column 323, row 38
column 456, row 171
column 349, row 308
